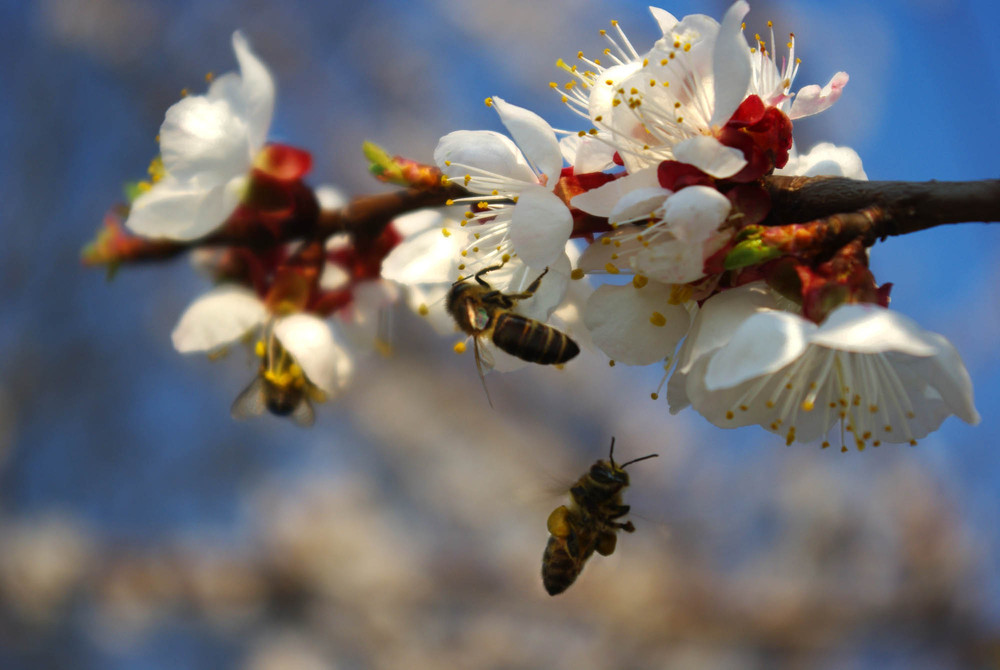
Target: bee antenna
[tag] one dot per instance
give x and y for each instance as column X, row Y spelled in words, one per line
column 636, row 460
column 611, row 454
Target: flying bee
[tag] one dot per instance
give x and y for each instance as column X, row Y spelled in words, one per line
column 482, row 311
column 588, row 524
column 280, row 386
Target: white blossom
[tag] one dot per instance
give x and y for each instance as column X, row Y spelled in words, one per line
column 229, row 313
column 208, row 144
column 517, row 212
column 869, row 370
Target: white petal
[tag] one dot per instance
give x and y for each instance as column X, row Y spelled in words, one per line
column 587, row 153
column 426, row 258
column 639, row 203
column 695, row 213
column 258, row 92
column 731, row 64
column 763, row 344
column 410, row 224
column 484, row 150
column 947, row 386
column 206, row 140
column 871, row 329
column 550, row 292
column 600, row 201
column 223, row 315
column 720, row 317
column 621, row 322
column 534, row 136
column 664, row 19
column 540, row 226
column 181, row 210
column 710, row 156
column 312, row 343
column 825, row 160
column 813, row 100
column 331, row 198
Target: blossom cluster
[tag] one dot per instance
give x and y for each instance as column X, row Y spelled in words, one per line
column 660, row 199
column 664, row 184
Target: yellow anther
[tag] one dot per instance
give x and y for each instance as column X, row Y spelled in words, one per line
column 505, row 258
column 769, row 404
column 465, row 253
column 260, row 348
column 185, row 92
column 606, row 241
column 610, row 269
column 459, row 347
column 639, row 281
column 423, row 310
column 577, row 273
column 658, row 319
column 209, row 76
column 611, row 363
column 553, row 84
column 825, row 445
column 446, row 232
column 654, row 395
column 808, row 405
column 913, row 442
column 744, row 408
column 449, row 202
column 488, row 102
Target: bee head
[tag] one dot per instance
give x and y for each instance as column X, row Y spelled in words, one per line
column 607, row 472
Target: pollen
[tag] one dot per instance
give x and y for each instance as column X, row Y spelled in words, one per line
column 423, row 310
column 825, row 445
column 654, row 395
column 577, row 273
column 730, row 415
column 488, row 102
column 658, row 319
column 639, row 281
column 260, row 348
column 459, row 347
column 610, row 268
column 446, row 232
column 611, row 363
column 606, row 241
column 505, row 258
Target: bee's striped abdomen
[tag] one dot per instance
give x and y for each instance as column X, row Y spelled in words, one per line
column 532, row 340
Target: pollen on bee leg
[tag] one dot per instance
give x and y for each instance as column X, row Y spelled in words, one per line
column 459, row 347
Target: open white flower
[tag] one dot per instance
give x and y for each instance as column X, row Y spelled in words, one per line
column 516, row 212
column 674, row 233
column 666, row 104
column 230, row 313
column 870, row 370
column 208, row 144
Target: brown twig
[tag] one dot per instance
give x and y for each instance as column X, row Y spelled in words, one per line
column 903, row 207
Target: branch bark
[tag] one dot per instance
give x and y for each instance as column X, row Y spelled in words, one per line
column 903, row 207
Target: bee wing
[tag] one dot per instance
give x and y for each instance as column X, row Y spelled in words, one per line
column 250, row 402
column 483, row 354
column 303, row 414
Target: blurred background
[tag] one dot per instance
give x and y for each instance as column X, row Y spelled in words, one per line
column 141, row 527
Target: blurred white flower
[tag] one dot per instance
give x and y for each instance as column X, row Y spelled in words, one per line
column 824, row 160
column 208, row 144
column 229, row 313
column 872, row 370
column 516, row 211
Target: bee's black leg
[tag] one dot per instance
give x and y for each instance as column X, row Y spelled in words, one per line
column 479, row 275
column 532, row 287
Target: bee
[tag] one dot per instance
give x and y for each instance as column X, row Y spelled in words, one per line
column 588, row 524
column 482, row 311
column 280, row 386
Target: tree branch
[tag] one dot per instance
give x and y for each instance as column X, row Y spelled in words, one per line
column 903, row 207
